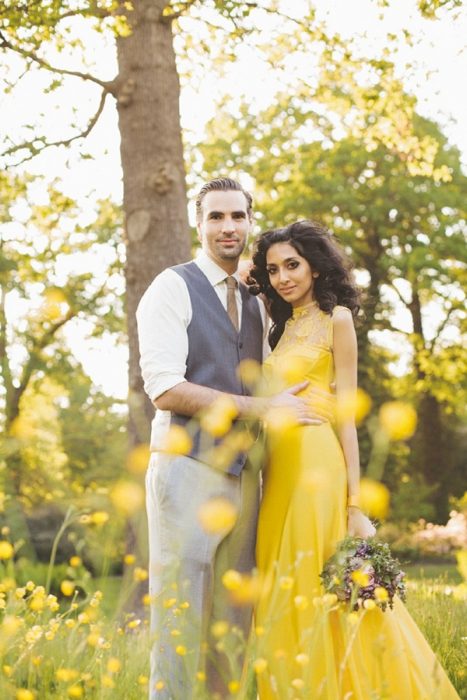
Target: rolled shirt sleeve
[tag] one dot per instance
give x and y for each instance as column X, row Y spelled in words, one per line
column 163, row 316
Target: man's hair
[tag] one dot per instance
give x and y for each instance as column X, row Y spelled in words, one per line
column 222, row 184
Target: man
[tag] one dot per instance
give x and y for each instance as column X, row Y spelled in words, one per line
column 196, row 323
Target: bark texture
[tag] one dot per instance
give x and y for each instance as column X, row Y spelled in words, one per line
column 154, row 198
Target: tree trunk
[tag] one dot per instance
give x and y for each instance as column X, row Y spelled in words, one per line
column 428, row 448
column 154, row 193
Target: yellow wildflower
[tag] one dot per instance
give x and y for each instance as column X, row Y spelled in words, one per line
column 11, row 625
column 180, row 650
column 94, row 639
column 113, row 665
column 138, row 458
column 140, row 574
column 177, row 441
column 219, row 629
column 302, row 659
column 6, row 550
column 369, row 604
column 381, row 594
column 75, row 561
column 234, row 687
column 301, row 602
column 52, row 603
column 129, row 559
column 353, row 405
column 249, row 371
column 398, row 420
column 232, row 580
column 75, row 691
column 67, row 587
column 99, row 517
column 108, row 682
column 65, row 675
column 127, row 497
column 24, row 694
column 360, row 578
column 217, row 515
column 374, row 498
column 217, row 419
column 329, row 599
column 260, row 665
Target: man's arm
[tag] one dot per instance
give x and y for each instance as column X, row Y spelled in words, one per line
column 188, row 399
column 163, row 315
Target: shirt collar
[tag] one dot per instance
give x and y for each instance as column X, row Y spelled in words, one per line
column 213, row 272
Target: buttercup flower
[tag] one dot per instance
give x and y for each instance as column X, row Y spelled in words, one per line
column 398, row 420
column 67, row 587
column 177, row 441
column 260, row 665
column 6, row 550
column 374, row 498
column 218, row 515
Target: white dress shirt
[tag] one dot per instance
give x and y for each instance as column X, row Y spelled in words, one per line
column 163, row 316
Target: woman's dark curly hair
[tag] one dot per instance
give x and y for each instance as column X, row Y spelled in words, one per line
column 333, row 286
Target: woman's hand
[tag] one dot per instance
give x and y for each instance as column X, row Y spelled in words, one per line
column 358, row 525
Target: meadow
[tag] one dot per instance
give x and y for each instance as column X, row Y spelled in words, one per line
column 86, row 644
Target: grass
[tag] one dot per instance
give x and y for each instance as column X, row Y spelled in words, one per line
column 83, row 649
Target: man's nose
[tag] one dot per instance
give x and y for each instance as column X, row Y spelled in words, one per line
column 228, row 225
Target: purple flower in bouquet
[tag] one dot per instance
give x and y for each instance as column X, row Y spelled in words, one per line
column 362, row 570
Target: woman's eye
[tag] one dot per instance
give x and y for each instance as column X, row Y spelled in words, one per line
column 293, row 265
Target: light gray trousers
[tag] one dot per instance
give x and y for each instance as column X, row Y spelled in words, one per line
column 185, row 570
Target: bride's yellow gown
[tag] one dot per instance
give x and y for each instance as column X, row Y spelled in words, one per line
column 304, row 646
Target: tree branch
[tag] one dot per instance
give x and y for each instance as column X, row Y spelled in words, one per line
column 442, row 326
column 37, row 346
column 30, row 55
column 165, row 19
column 34, row 150
column 399, row 294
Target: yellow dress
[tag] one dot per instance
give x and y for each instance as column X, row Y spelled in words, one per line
column 304, row 646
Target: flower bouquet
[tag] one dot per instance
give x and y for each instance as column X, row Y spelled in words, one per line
column 361, row 571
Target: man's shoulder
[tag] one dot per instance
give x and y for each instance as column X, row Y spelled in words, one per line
column 167, row 285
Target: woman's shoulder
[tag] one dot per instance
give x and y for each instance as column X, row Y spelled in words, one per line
column 341, row 314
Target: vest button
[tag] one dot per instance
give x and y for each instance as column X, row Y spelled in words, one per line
column 240, row 345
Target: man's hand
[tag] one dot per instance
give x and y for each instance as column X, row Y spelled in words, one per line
column 314, row 409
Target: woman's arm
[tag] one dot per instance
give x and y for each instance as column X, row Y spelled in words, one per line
column 345, row 364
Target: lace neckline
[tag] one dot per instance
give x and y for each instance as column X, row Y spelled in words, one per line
column 299, row 311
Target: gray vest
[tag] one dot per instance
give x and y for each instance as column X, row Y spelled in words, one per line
column 215, row 349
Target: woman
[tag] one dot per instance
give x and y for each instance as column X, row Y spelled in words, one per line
column 305, row 647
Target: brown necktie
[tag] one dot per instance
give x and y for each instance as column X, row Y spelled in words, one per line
column 232, row 309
